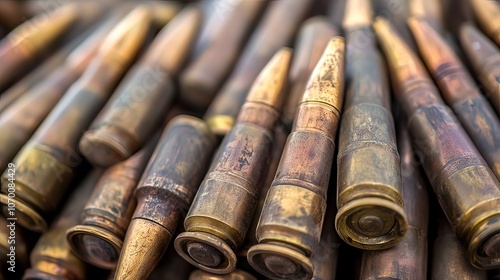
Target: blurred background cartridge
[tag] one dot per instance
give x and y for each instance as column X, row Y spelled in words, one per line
column 487, row 16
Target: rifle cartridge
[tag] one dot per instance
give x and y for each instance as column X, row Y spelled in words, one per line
column 312, row 39
column 164, row 193
column 369, row 199
column 487, row 15
column 215, row 230
column 140, row 103
column 276, row 29
column 23, row 46
column 408, row 259
column 484, row 56
column 460, row 92
column 290, row 224
column 46, row 164
column 204, row 76
column 52, row 257
column 449, row 257
column 237, row 274
column 467, row 189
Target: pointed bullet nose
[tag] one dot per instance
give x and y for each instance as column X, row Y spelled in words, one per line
column 144, row 245
column 128, row 36
column 269, row 85
column 357, row 13
column 326, row 81
column 174, row 41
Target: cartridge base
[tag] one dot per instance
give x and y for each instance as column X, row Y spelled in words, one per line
column 94, row 245
column 26, row 216
column 484, row 247
column 206, row 251
column 278, row 261
column 371, row 223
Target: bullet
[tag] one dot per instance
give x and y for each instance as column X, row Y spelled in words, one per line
column 164, row 193
column 290, row 224
column 46, row 164
column 222, row 210
column 312, row 39
column 449, row 257
column 467, row 189
column 161, row 12
column 408, row 259
column 204, row 76
column 487, row 15
column 24, row 45
column 430, row 11
column 485, row 59
column 276, row 29
column 460, row 92
column 98, row 238
column 21, row 119
column 237, row 274
column 397, row 13
column 141, row 101
column 52, row 257
column 369, row 198
column 14, row 247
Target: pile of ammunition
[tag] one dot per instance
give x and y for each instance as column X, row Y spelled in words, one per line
column 290, row 139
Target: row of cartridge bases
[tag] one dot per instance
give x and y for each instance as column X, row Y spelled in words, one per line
column 249, row 181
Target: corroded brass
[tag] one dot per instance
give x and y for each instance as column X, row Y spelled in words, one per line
column 485, row 59
column 141, row 102
column 164, row 194
column 290, row 224
column 408, row 259
column 98, row 238
column 369, row 199
column 52, row 257
column 222, row 210
column 449, row 257
column 204, row 76
column 237, row 274
column 46, row 164
column 312, row 39
column 276, row 30
column 460, row 92
column 467, row 189
column 21, row 48
column 487, row 15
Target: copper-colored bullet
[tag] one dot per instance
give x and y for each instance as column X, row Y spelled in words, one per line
column 23, row 45
column 98, row 238
column 460, row 92
column 467, row 189
column 290, row 224
column 408, row 259
column 47, row 162
column 164, row 193
column 52, row 257
column 485, row 59
column 487, row 15
column 449, row 257
column 429, row 10
column 204, row 76
column 141, row 101
column 222, row 210
column 369, row 199
column 21, row 119
column 278, row 26
column 237, row 274
column 314, row 35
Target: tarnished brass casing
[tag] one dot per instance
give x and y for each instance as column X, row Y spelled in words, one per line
column 314, row 35
column 408, row 259
column 222, row 210
column 460, row 92
column 164, row 193
column 52, row 257
column 467, row 189
column 141, row 102
column 370, row 203
column 485, row 59
column 204, row 76
column 487, row 15
column 290, row 224
column 46, row 164
column 276, row 29
column 237, row 274
column 449, row 257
